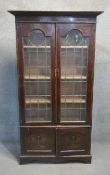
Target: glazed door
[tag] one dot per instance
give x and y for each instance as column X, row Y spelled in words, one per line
column 36, row 76
column 75, row 72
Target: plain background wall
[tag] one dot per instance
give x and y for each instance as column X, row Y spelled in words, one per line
column 9, row 126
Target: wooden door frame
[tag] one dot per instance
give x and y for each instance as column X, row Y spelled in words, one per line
column 88, row 30
column 21, row 32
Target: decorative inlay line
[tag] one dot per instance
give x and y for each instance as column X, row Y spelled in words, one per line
column 38, row 150
column 72, row 150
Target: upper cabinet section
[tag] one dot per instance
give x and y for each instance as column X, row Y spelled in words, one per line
column 55, row 66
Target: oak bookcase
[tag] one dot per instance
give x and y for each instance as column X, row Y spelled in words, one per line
column 55, row 64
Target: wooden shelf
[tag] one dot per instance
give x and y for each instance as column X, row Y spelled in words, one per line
column 45, row 101
column 73, row 100
column 34, row 77
column 36, row 101
column 36, row 47
column 47, row 47
column 74, row 47
column 77, row 77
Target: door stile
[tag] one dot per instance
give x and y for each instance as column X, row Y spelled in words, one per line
column 91, row 59
column 58, row 72
column 54, row 76
column 20, row 70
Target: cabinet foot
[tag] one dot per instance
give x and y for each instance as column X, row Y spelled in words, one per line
column 86, row 160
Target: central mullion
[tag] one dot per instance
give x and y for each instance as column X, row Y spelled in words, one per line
column 53, row 76
column 58, row 73
column 55, row 79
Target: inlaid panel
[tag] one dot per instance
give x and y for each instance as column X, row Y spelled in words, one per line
column 71, row 141
column 38, row 140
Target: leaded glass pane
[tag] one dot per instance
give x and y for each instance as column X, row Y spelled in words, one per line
column 37, row 77
column 73, row 54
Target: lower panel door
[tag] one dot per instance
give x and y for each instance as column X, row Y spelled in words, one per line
column 38, row 141
column 73, row 141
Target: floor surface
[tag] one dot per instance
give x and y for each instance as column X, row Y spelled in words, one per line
column 9, row 164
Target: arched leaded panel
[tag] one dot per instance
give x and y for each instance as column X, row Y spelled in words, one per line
column 37, row 76
column 73, row 84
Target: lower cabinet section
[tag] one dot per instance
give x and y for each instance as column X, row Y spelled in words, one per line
column 38, row 141
column 73, row 141
column 56, row 143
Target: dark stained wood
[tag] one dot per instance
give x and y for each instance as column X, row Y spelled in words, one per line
column 38, row 141
column 91, row 60
column 64, row 29
column 55, row 141
column 20, row 71
column 27, row 28
column 56, row 19
column 73, row 141
column 52, row 159
column 56, row 16
column 53, row 78
column 55, row 13
column 58, row 73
